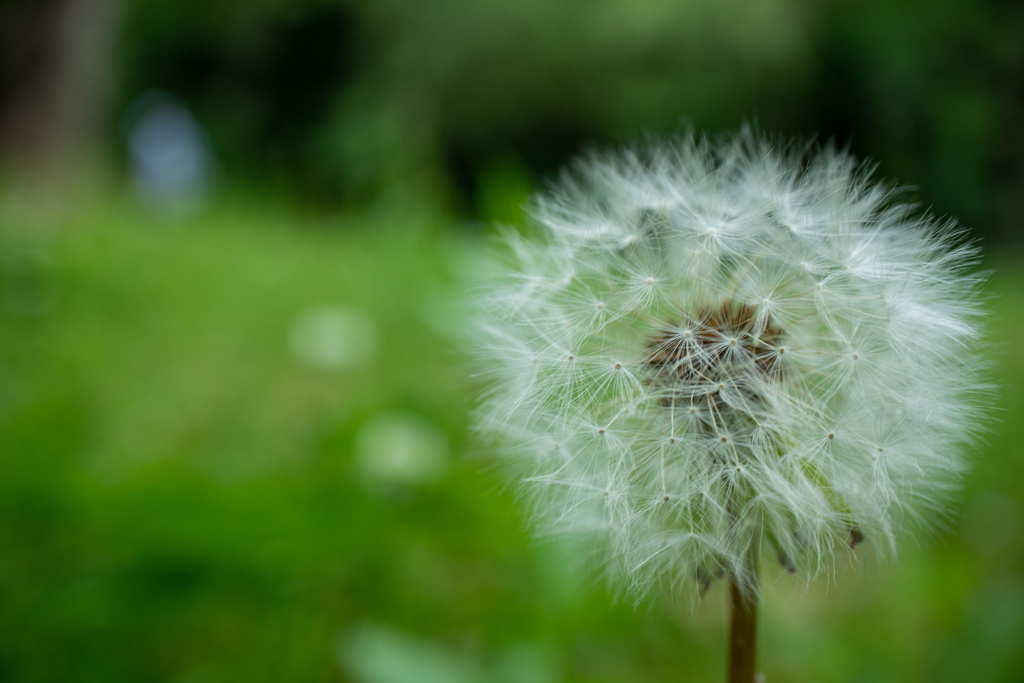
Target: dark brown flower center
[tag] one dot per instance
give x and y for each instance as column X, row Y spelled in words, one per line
column 732, row 345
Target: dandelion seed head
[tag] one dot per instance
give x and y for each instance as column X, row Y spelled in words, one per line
column 799, row 373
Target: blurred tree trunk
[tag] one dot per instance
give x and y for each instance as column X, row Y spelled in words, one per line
column 55, row 65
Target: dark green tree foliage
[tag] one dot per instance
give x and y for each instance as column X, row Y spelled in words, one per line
column 345, row 101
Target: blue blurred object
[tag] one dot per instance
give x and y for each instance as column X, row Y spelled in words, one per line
column 171, row 159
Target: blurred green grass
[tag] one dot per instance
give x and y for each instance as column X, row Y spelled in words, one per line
column 193, row 414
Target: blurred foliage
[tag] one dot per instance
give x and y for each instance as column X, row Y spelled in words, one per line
column 233, row 436
column 233, row 448
column 343, row 101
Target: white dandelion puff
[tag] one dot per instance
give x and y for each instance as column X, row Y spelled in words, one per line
column 712, row 353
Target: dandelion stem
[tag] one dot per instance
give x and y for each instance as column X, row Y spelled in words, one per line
column 742, row 633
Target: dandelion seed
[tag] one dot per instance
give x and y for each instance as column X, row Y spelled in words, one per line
column 771, row 268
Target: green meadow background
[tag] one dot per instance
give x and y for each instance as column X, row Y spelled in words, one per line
column 234, row 432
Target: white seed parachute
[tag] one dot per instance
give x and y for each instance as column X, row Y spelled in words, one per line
column 709, row 352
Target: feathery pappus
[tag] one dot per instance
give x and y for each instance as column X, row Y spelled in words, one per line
column 707, row 352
